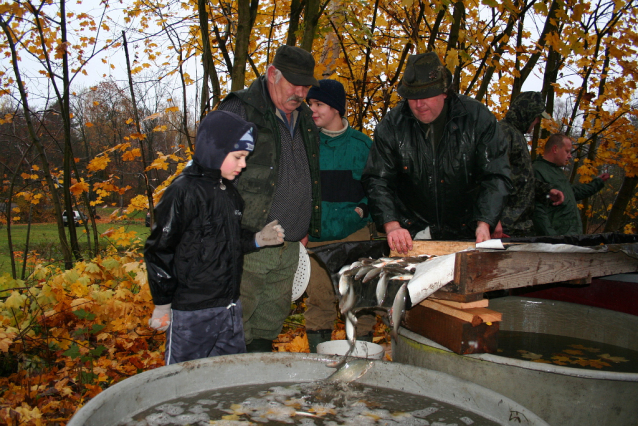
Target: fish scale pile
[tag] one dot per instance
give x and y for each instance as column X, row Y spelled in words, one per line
column 379, row 285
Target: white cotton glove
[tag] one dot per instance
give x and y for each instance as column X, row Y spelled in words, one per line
column 271, row 235
column 161, row 318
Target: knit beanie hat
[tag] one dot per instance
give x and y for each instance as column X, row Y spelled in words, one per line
column 219, row 133
column 330, row 92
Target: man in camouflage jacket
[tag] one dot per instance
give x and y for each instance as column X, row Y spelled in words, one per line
column 525, row 112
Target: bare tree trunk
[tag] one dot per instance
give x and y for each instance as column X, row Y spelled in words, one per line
column 296, row 7
column 246, row 19
column 64, row 245
column 360, row 107
column 593, row 143
column 626, row 193
column 149, row 190
column 68, row 149
column 313, row 12
column 209, row 65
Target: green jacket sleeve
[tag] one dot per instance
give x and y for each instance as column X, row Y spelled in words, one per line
column 584, row 190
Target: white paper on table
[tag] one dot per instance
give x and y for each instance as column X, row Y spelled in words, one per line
column 495, row 243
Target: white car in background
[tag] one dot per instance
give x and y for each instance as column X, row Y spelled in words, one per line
column 78, row 218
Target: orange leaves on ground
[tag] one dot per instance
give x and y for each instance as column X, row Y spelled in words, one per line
column 86, row 332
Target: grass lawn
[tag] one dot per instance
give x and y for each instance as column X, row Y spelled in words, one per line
column 44, row 239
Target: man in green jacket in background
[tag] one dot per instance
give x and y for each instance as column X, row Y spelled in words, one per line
column 525, row 112
column 344, row 205
column 281, row 181
column 563, row 219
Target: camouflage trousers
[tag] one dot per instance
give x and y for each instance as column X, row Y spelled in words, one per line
column 266, row 289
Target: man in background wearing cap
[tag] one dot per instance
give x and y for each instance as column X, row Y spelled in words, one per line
column 195, row 250
column 282, row 182
column 438, row 167
column 526, row 111
column 344, row 205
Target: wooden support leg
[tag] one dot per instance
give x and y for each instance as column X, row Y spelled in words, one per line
column 454, row 333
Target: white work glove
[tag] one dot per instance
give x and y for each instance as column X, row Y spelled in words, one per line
column 161, row 318
column 271, row 235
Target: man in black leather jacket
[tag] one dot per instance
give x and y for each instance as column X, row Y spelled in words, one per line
column 439, row 165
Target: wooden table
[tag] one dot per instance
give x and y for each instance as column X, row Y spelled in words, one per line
column 477, row 271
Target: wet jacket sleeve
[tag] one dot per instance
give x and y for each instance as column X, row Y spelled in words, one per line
column 161, row 245
column 494, row 166
column 379, row 176
column 541, row 190
column 584, row 190
column 248, row 241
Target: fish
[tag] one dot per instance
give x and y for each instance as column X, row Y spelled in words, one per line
column 348, row 300
column 350, row 371
column 351, row 327
column 402, row 277
column 344, row 269
column 344, row 284
column 363, row 271
column 398, row 309
column 372, row 273
column 382, row 286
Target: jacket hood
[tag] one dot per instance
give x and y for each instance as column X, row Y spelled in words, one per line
column 219, row 133
column 524, row 109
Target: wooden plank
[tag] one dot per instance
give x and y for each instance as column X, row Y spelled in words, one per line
column 487, row 315
column 435, row 248
column 448, row 310
column 450, row 293
column 455, row 334
column 477, row 272
column 483, row 303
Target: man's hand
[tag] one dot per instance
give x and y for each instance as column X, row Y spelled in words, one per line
column 482, row 231
column 399, row 239
column 498, row 231
column 271, row 235
column 161, row 318
column 556, row 197
column 304, row 241
column 604, row 176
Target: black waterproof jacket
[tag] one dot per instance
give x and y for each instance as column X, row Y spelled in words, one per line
column 467, row 178
column 194, row 255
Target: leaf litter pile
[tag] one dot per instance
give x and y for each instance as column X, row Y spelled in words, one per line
column 65, row 336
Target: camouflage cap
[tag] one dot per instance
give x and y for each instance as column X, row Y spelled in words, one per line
column 532, row 103
column 424, row 77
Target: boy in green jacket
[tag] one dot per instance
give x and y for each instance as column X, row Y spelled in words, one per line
column 344, row 208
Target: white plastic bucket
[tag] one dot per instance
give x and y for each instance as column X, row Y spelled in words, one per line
column 361, row 350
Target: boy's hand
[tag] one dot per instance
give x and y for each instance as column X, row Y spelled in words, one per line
column 161, row 318
column 271, row 235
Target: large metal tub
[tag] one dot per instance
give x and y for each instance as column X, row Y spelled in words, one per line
column 151, row 388
column 559, row 395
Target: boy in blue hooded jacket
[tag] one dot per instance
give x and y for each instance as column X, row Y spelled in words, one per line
column 194, row 255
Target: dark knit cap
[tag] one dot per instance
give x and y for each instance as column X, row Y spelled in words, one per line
column 219, row 133
column 296, row 65
column 330, row 92
column 424, row 77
